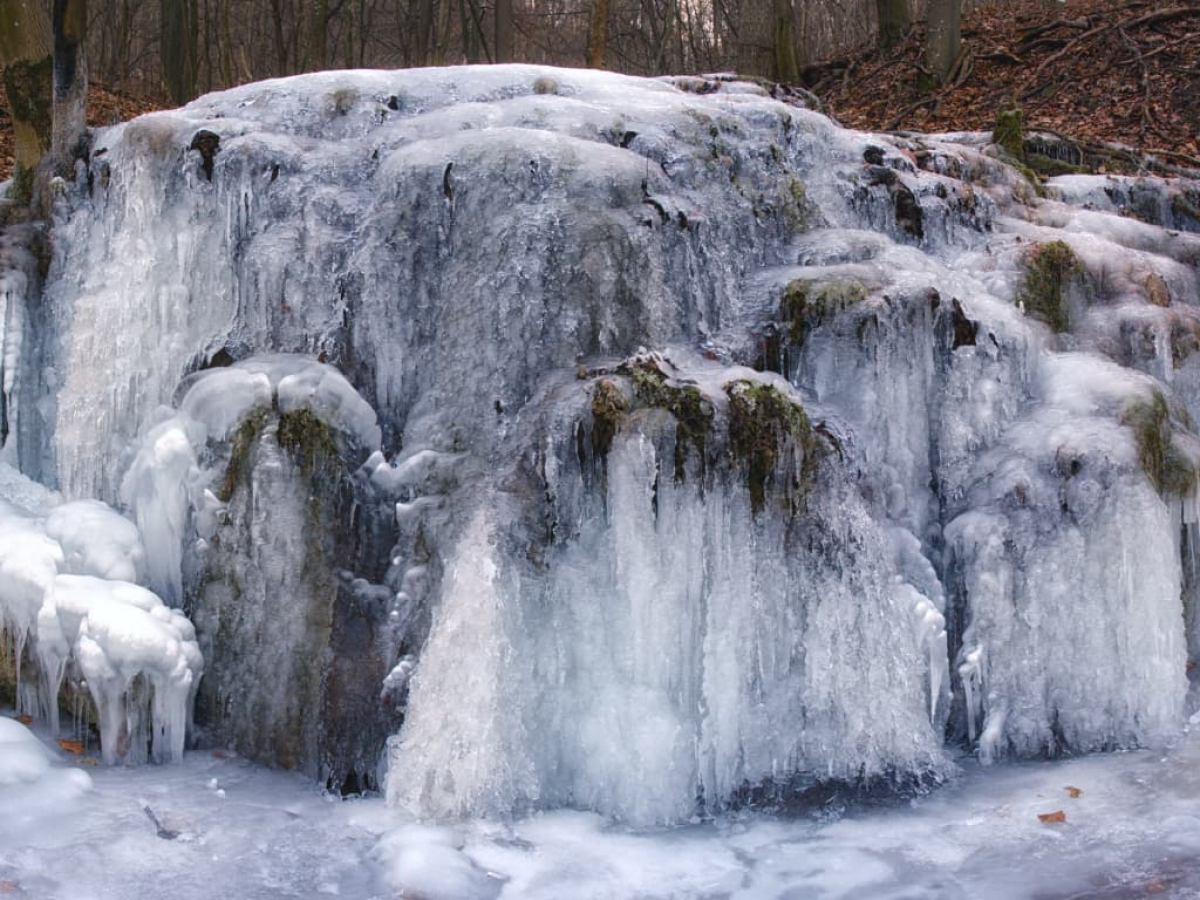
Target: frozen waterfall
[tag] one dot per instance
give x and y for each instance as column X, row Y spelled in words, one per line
column 553, row 438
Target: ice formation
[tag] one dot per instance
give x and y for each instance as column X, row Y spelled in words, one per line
column 646, row 446
column 66, row 604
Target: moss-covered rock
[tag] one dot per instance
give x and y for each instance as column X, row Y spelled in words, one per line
column 608, row 409
column 798, row 214
column 1009, row 133
column 1050, row 268
column 1051, row 167
column 765, row 429
column 693, row 414
column 311, row 443
column 241, row 449
column 1172, row 472
column 806, row 304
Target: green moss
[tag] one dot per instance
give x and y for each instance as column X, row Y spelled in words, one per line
column 797, row 212
column 240, row 450
column 693, row 414
column 763, row 425
column 1171, row 472
column 1049, row 269
column 608, row 410
column 544, row 84
column 311, row 443
column 1050, row 167
column 1009, row 133
column 806, row 304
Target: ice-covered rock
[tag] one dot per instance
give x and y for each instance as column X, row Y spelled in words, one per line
column 649, row 446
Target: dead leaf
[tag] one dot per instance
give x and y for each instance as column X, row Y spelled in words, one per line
column 88, row 761
column 70, row 746
column 1056, row 816
column 9, row 887
column 1073, row 792
column 25, row 720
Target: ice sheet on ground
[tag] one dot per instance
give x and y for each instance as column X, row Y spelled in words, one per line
column 1132, row 830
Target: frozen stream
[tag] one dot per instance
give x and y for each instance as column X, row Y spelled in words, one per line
column 246, row 832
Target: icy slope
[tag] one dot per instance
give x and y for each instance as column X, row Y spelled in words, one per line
column 684, row 450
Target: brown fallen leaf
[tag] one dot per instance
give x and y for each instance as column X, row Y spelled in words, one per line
column 25, row 720
column 9, row 887
column 70, row 746
column 1073, row 792
column 1056, row 816
column 88, row 761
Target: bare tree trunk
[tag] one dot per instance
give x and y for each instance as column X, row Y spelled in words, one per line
column 281, row 53
column 786, row 66
column 503, row 34
column 316, row 43
column 225, row 54
column 70, row 85
column 25, row 50
column 178, row 50
column 422, row 40
column 597, row 40
column 445, row 16
column 942, row 39
column 894, row 21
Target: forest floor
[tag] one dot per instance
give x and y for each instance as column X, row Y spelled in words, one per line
column 1126, row 72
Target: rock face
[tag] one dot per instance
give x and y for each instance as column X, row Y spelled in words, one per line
column 719, row 451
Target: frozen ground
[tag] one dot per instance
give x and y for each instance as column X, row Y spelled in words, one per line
column 229, row 829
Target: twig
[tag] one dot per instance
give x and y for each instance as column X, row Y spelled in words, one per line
column 1144, row 75
column 1190, row 36
column 1192, row 161
column 1081, row 24
column 909, row 110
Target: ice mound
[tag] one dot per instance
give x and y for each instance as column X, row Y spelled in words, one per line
column 64, row 603
column 33, row 791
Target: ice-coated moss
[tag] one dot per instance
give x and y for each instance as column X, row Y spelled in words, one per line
column 1171, row 472
column 764, row 427
column 1049, row 269
column 608, row 409
column 693, row 414
column 1009, row 133
column 241, row 447
column 806, row 304
column 310, row 442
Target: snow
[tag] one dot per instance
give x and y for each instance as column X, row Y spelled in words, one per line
column 1132, row 830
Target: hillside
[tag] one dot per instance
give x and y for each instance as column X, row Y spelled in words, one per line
column 1097, row 71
